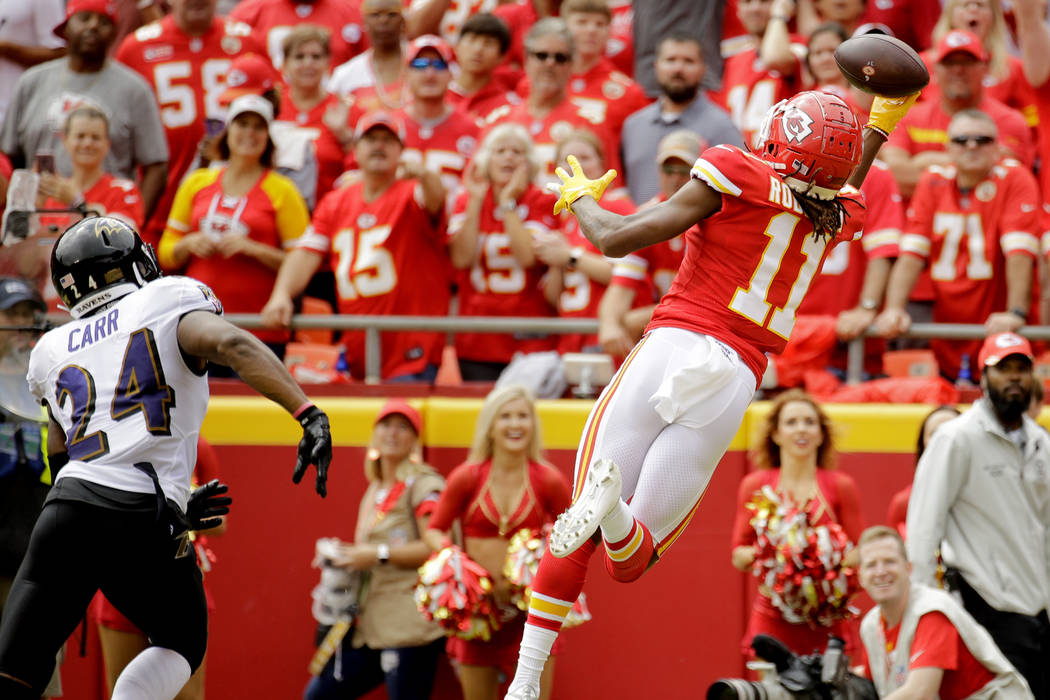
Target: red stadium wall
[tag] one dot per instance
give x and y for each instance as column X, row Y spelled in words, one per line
column 667, row 636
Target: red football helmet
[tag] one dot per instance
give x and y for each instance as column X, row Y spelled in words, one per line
column 813, row 140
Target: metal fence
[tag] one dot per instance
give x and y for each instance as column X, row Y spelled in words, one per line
column 373, row 325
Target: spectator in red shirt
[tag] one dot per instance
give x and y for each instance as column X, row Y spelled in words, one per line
column 477, row 90
column 272, row 20
column 491, row 230
column 961, row 67
column 374, row 77
column 919, row 642
column 975, row 224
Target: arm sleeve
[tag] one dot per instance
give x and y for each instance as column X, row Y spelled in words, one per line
column 916, row 240
column 1019, row 226
column 317, row 237
column 850, row 514
column 743, row 533
column 943, row 469
column 292, row 215
column 454, row 499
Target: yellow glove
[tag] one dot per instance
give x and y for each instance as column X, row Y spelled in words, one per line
column 574, row 186
column 887, row 111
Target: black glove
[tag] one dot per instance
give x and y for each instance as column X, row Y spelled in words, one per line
column 207, row 504
column 314, row 448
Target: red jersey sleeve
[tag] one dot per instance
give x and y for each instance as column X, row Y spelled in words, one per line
column 1020, row 222
column 885, row 214
column 318, row 235
column 459, row 489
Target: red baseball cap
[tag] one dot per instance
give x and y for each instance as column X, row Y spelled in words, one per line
column 108, row 8
column 383, row 119
column 249, row 74
column 400, row 407
column 961, row 40
column 429, row 41
column 998, row 347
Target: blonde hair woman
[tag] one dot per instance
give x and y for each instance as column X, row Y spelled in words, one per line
column 388, row 548
column 505, row 485
column 491, row 231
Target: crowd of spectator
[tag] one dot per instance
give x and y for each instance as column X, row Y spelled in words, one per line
column 390, row 157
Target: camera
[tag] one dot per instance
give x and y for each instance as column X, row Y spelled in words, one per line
column 786, row 675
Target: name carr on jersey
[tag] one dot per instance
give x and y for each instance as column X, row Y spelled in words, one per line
column 83, row 336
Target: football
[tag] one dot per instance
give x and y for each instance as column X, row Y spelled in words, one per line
column 882, row 65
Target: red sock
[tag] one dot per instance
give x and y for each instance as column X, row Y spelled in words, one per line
column 557, row 585
column 627, row 559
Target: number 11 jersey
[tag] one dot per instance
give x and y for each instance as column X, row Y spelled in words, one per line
column 118, row 385
column 748, row 266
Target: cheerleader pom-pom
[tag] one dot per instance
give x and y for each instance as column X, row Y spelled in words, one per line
column 524, row 551
column 455, row 591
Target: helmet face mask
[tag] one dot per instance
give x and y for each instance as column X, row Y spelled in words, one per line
column 813, row 140
column 97, row 261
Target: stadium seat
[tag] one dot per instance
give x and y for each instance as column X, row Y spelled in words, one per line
column 910, row 363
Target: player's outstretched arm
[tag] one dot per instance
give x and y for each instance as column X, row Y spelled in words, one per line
column 616, row 235
column 205, row 336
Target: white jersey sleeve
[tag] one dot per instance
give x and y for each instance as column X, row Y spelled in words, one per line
column 121, row 390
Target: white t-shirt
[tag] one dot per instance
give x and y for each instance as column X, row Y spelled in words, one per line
column 118, row 385
column 29, row 23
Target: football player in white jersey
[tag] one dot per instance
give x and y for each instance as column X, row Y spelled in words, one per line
column 126, row 390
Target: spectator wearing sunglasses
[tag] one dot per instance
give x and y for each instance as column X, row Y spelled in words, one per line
column 959, row 72
column 437, row 136
column 549, row 112
column 975, row 225
column 682, row 104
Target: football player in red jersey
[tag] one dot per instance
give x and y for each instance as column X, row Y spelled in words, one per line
column 765, row 222
column 381, row 237
column 977, row 225
column 184, row 58
column 272, row 20
column 550, row 112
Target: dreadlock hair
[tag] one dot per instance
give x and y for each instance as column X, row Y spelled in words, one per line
column 827, row 215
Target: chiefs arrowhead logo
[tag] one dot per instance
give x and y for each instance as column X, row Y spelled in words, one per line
column 797, row 124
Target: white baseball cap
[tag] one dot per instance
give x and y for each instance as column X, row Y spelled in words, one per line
column 253, row 104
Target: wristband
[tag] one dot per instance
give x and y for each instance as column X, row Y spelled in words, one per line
column 302, row 409
column 383, row 553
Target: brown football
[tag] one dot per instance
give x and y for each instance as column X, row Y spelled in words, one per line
column 882, row 65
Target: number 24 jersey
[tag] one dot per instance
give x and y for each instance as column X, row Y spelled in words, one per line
column 117, row 384
column 748, row 266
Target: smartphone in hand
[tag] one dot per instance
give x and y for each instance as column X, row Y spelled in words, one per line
column 45, row 162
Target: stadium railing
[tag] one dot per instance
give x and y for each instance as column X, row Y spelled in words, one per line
column 374, row 325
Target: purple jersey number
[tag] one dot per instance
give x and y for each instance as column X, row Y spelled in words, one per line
column 140, row 387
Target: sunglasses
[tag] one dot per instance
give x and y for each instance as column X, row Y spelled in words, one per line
column 979, row 140
column 560, row 58
column 424, row 63
column 675, row 169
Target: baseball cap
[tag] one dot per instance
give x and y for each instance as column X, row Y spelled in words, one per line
column 961, row 40
column 682, row 144
column 249, row 74
column 255, row 104
column 401, row 407
column 429, row 41
column 103, row 7
column 380, row 118
column 998, row 347
column 14, row 290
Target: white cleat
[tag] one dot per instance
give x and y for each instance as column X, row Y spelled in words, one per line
column 523, row 692
column 601, row 491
